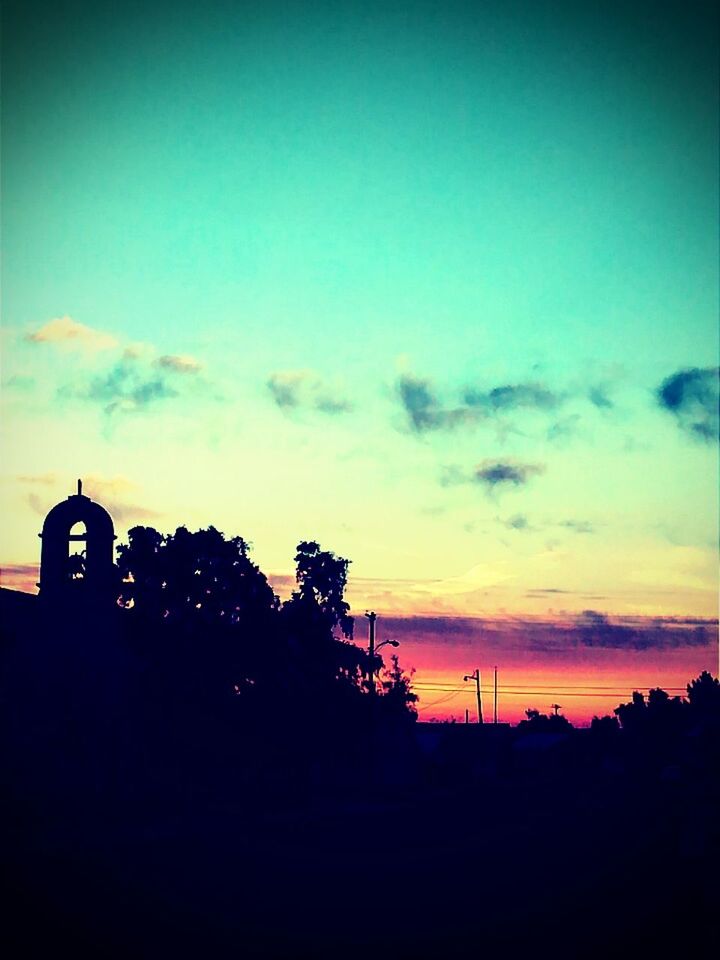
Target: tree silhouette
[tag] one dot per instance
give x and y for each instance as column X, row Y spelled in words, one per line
column 322, row 577
column 196, row 576
column 537, row 722
column 605, row 726
column 317, row 657
column 632, row 715
column 658, row 716
column 704, row 696
column 202, row 611
column 208, row 616
column 398, row 699
column 665, row 713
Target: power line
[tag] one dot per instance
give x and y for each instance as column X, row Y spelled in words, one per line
column 599, row 691
column 434, row 703
column 439, row 685
column 571, row 696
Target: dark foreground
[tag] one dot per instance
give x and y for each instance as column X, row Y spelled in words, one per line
column 130, row 830
column 582, row 866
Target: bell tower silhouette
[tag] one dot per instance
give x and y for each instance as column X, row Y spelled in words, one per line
column 87, row 577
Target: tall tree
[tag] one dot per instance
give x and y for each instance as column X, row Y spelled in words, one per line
column 322, row 577
column 310, row 618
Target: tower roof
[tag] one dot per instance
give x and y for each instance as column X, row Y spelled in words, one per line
column 78, row 509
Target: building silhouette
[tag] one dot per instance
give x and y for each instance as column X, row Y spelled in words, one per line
column 88, row 576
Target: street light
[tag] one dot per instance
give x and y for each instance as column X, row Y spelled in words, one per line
column 476, row 677
column 372, row 649
column 386, row 643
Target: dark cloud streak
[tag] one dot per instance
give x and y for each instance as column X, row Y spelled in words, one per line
column 597, row 630
column 503, row 473
column 559, row 634
column 513, row 396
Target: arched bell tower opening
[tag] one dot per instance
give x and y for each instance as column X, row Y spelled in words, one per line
column 76, row 561
column 76, row 551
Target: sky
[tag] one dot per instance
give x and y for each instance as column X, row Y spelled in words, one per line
column 434, row 284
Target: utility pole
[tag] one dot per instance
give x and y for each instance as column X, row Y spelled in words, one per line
column 467, row 715
column 372, row 617
column 476, row 677
column 555, row 707
column 495, row 699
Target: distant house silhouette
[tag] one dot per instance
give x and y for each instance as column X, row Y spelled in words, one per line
column 89, row 576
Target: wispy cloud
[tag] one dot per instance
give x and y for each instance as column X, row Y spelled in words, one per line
column 129, row 386
column 285, row 388
column 546, row 591
column 68, row 332
column 178, row 364
column 513, row 396
column 599, row 396
column 577, row 526
column 295, row 389
column 18, row 382
column 564, row 428
column 136, row 381
column 136, row 377
column 425, row 412
column 518, row 522
column 41, row 479
column 495, row 474
column 117, row 494
column 521, row 522
column 423, row 409
column 692, row 396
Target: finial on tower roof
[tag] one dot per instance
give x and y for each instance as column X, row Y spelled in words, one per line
column 79, row 488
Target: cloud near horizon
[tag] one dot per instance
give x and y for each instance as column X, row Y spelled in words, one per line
column 20, row 576
column 598, row 630
column 562, row 633
column 693, row 396
column 555, row 634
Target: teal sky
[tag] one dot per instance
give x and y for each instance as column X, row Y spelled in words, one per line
column 314, row 204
